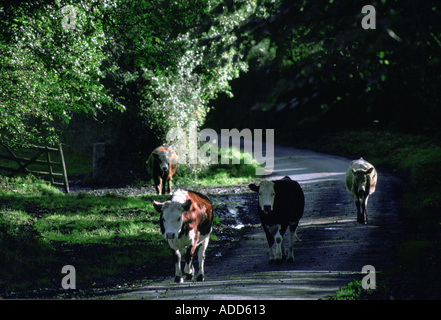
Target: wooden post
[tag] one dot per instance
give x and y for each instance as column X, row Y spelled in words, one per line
column 51, row 175
column 63, row 164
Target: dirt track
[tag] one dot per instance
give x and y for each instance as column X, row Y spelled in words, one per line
column 333, row 250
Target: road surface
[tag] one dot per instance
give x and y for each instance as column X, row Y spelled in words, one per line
column 333, row 247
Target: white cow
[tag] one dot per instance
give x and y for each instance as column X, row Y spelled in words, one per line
column 361, row 179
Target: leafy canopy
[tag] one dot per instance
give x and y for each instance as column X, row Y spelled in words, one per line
column 163, row 60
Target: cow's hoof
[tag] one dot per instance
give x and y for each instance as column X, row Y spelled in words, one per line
column 290, row 259
column 189, row 277
column 178, row 279
column 200, row 277
column 271, row 261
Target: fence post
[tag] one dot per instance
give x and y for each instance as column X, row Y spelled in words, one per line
column 48, row 155
column 63, row 164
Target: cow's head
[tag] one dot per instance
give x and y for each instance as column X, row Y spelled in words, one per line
column 163, row 159
column 361, row 177
column 171, row 219
column 266, row 195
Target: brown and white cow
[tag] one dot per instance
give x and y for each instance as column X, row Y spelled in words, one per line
column 361, row 179
column 281, row 205
column 186, row 222
column 161, row 165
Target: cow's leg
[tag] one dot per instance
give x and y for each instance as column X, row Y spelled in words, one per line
column 358, row 205
column 292, row 238
column 201, row 258
column 279, row 253
column 178, row 272
column 270, row 239
column 168, row 188
column 363, row 215
column 189, row 269
column 157, row 181
column 164, row 183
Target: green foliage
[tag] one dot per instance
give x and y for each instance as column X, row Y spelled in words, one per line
column 48, row 73
column 162, row 60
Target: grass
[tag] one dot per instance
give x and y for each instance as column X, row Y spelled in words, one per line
column 216, row 175
column 42, row 229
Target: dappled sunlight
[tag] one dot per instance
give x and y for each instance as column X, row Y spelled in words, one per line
column 309, row 177
column 327, row 220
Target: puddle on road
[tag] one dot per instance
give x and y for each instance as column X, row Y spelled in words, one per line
column 233, row 210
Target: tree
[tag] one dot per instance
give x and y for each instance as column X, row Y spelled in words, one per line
column 48, row 71
column 164, row 60
column 325, row 69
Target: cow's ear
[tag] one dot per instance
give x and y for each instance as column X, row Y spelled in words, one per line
column 158, row 205
column 187, row 204
column 254, row 187
column 369, row 171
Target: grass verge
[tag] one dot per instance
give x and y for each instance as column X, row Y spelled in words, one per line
column 42, row 229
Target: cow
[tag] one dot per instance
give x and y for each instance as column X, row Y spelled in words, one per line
column 186, row 223
column 161, row 165
column 281, row 205
column 361, row 179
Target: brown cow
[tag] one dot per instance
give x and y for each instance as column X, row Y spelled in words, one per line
column 186, row 222
column 162, row 165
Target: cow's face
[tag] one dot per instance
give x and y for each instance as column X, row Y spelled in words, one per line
column 164, row 160
column 171, row 219
column 361, row 179
column 266, row 195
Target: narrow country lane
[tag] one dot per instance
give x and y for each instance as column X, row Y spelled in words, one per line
column 333, row 247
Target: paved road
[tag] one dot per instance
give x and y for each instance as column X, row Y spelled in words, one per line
column 333, row 250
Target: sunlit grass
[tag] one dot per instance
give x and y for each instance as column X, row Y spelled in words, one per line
column 241, row 168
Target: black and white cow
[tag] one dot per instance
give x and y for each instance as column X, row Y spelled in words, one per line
column 281, row 204
column 186, row 223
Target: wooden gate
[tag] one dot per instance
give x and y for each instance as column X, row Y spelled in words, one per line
column 38, row 160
